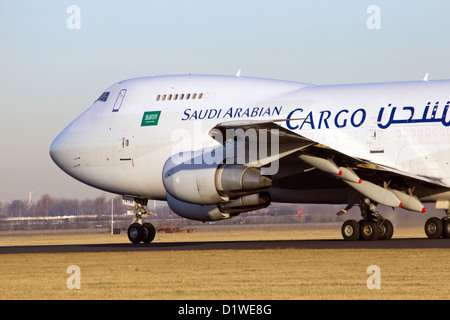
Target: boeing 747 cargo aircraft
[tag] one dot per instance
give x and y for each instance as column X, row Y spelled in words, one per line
column 216, row 146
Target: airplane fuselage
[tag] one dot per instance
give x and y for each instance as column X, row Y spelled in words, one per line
column 121, row 143
column 365, row 144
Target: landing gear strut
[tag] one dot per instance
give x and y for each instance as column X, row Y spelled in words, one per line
column 373, row 226
column 139, row 231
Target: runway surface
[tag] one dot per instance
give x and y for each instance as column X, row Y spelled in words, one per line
column 232, row 245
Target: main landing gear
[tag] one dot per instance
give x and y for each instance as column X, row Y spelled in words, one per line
column 139, row 231
column 436, row 228
column 372, row 227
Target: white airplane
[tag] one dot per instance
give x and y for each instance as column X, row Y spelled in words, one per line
column 216, row 146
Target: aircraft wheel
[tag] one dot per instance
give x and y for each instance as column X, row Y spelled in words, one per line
column 149, row 232
column 446, row 232
column 386, row 230
column 136, row 232
column 434, row 228
column 350, row 230
column 370, row 230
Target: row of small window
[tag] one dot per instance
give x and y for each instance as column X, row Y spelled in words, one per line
column 181, row 96
column 421, row 132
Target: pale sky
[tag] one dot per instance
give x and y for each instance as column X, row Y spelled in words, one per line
column 50, row 73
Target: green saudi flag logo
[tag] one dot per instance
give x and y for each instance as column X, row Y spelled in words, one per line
column 150, row 118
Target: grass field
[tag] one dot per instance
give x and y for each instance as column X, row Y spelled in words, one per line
column 228, row 274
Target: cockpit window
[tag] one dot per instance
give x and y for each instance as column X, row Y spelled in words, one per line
column 103, row 97
column 119, row 100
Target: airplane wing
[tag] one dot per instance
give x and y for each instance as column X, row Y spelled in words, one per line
column 242, row 132
column 382, row 184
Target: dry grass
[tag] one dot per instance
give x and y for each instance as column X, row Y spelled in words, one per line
column 259, row 274
column 227, row 274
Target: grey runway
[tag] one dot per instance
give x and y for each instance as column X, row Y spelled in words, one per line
column 232, row 245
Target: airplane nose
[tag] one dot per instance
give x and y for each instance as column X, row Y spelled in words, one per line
column 61, row 151
column 55, row 151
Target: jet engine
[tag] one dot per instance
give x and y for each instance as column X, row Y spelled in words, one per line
column 209, row 192
column 212, row 184
column 224, row 210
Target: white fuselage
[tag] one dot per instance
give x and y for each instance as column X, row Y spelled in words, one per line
column 121, row 143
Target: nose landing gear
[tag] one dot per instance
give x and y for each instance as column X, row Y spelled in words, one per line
column 139, row 231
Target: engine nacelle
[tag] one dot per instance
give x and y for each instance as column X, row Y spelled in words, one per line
column 234, row 180
column 245, row 203
column 201, row 183
column 195, row 211
column 221, row 211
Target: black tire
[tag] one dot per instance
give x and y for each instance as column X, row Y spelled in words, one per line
column 369, row 231
column 350, row 230
column 434, row 228
column 136, row 232
column 446, row 231
column 386, row 230
column 149, row 232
